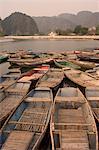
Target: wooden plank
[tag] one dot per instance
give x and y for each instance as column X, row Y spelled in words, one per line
column 25, row 123
column 37, row 99
column 72, row 124
column 93, row 98
column 70, row 99
column 74, row 140
column 18, row 140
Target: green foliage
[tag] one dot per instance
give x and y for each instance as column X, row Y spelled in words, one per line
column 63, row 32
column 97, row 30
column 80, row 30
column 77, row 29
column 1, row 34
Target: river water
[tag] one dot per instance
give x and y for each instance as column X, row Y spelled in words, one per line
column 49, row 45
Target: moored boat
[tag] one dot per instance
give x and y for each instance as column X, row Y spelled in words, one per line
column 9, row 78
column 30, row 62
column 28, row 122
column 94, row 73
column 84, row 64
column 51, row 79
column 72, row 124
column 34, row 74
column 92, row 95
column 92, row 57
column 10, row 98
column 81, row 78
column 64, row 63
column 3, row 58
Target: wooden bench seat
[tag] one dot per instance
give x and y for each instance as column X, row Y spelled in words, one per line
column 70, row 99
column 18, row 140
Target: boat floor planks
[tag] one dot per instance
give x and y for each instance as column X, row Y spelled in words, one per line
column 72, row 124
column 74, row 140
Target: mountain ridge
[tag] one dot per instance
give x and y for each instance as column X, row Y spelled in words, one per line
column 67, row 20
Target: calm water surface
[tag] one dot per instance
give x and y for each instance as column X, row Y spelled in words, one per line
column 49, row 45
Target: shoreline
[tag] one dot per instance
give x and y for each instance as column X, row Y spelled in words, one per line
column 49, row 38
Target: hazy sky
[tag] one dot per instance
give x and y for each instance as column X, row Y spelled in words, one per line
column 46, row 7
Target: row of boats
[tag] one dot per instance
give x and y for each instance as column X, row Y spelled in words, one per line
column 29, row 105
column 63, row 100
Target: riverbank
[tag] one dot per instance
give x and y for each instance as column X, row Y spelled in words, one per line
column 49, row 37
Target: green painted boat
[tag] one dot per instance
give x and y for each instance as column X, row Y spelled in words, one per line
column 3, row 58
column 64, row 63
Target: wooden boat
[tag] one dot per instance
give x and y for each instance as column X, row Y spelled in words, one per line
column 9, row 78
column 34, row 74
column 51, row 79
column 3, row 58
column 92, row 95
column 72, row 125
column 81, row 78
column 64, row 63
column 84, row 64
column 10, row 98
column 94, row 73
column 4, row 68
column 92, row 57
column 28, row 122
column 30, row 62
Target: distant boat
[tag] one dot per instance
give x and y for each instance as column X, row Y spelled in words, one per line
column 3, row 58
column 64, row 63
column 91, row 57
column 72, row 124
column 94, row 73
column 84, row 64
column 34, row 74
column 26, row 126
column 24, row 63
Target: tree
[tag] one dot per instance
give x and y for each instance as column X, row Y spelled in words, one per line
column 80, row 30
column 63, row 32
column 77, row 29
column 97, row 30
column 84, row 31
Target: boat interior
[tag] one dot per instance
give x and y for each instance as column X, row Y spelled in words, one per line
column 72, row 123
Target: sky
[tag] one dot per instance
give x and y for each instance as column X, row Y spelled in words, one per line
column 46, row 7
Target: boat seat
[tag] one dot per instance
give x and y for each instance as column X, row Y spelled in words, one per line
column 70, row 99
column 18, row 140
column 17, row 91
column 37, row 99
column 93, row 99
